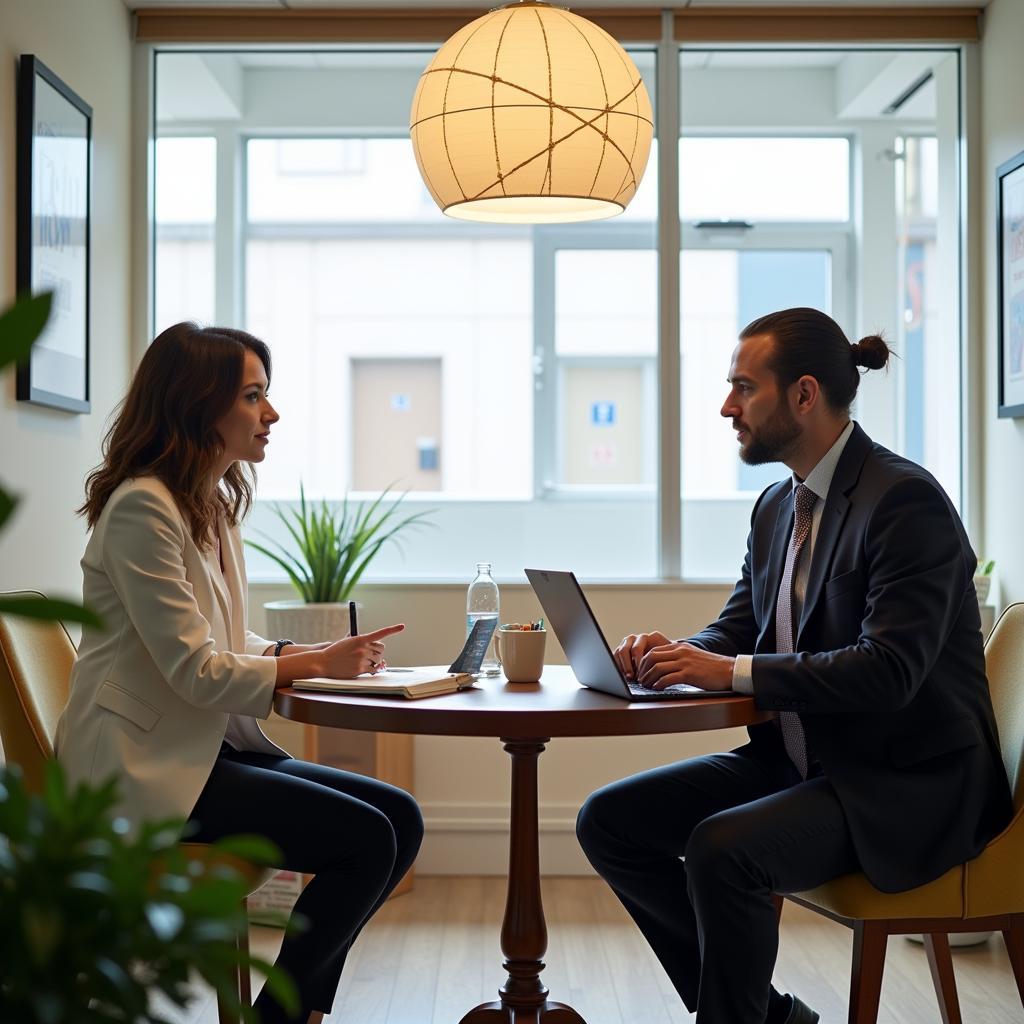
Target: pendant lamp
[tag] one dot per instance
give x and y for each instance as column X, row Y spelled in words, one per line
column 531, row 114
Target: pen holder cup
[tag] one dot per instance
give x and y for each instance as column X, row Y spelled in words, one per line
column 521, row 653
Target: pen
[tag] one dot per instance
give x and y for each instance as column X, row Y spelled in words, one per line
column 353, row 626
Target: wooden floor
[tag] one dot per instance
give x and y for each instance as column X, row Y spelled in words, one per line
column 431, row 954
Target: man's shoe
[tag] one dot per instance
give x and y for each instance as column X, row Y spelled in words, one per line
column 799, row 1012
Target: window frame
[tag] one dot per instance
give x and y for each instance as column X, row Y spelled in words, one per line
column 844, row 254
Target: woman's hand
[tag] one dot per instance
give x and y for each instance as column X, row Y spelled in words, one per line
column 345, row 659
column 342, row 659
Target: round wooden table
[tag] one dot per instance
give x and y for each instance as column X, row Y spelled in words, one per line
column 524, row 716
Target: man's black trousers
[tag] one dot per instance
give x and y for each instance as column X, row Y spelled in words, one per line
column 695, row 852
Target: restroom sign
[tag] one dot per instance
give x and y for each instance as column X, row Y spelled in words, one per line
column 602, row 414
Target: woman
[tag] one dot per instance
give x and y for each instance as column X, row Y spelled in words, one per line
column 167, row 696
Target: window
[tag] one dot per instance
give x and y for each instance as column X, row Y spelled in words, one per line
column 186, row 209
column 508, row 377
column 764, row 179
column 929, row 369
column 358, row 270
column 603, row 369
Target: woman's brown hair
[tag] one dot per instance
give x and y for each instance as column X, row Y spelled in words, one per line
column 188, row 379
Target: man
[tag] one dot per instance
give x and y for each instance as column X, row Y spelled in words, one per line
column 855, row 618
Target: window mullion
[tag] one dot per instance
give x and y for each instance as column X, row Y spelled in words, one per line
column 669, row 410
column 545, row 379
column 225, row 229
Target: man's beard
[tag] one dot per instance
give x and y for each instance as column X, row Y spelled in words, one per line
column 773, row 440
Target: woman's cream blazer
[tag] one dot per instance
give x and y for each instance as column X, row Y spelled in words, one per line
column 152, row 693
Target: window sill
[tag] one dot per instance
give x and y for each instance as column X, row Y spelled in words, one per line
column 259, row 585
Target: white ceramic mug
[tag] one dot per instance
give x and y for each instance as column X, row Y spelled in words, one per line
column 521, row 653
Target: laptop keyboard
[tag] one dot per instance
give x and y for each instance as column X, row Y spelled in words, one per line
column 643, row 691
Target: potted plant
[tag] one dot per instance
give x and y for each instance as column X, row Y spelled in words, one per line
column 332, row 549
column 95, row 922
column 983, row 580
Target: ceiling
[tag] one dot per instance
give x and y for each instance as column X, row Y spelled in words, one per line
column 487, row 4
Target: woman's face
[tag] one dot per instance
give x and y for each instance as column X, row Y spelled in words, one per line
column 245, row 427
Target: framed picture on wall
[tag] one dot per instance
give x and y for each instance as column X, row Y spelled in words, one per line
column 54, row 136
column 1010, row 235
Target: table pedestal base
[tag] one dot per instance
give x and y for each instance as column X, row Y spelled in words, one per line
column 547, row 1013
column 523, row 999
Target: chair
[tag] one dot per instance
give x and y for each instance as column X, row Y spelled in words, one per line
column 35, row 671
column 985, row 894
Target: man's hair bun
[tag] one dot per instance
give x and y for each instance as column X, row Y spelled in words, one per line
column 870, row 352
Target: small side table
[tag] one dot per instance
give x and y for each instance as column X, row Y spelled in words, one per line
column 524, row 718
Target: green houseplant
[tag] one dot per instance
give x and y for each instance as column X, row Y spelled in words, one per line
column 330, row 550
column 94, row 921
column 983, row 580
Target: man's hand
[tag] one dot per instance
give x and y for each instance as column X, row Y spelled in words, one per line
column 671, row 663
column 632, row 648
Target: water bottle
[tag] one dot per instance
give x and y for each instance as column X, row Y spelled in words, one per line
column 482, row 603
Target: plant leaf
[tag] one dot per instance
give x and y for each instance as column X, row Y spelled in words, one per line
column 21, row 325
column 49, row 610
column 252, row 848
column 333, row 546
column 7, row 505
column 298, row 582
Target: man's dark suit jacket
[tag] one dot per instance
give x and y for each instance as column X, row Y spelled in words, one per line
column 889, row 673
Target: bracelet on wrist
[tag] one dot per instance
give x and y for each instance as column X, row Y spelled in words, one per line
column 280, row 645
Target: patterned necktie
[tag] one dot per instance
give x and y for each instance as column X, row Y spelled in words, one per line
column 785, row 637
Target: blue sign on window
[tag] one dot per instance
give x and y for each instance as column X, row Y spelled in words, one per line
column 602, row 414
column 429, row 455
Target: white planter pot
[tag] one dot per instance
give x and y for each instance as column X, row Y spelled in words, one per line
column 959, row 938
column 983, row 584
column 306, row 623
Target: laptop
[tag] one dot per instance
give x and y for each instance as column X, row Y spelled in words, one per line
column 572, row 619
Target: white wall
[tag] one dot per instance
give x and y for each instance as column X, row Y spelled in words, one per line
column 1002, row 129
column 44, row 453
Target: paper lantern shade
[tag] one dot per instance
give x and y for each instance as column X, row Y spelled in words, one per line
column 531, row 114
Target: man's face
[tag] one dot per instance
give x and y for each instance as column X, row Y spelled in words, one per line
column 765, row 427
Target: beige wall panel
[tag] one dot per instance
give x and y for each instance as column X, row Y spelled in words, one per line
column 599, row 453
column 396, row 409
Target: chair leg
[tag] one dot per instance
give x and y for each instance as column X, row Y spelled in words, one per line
column 243, row 984
column 869, row 941
column 244, row 980
column 940, row 963
column 225, row 1015
column 1014, row 938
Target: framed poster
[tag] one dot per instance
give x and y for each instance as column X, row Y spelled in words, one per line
column 1010, row 237
column 54, row 136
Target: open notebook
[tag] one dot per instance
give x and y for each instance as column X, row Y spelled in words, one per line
column 423, row 681
column 400, row 682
